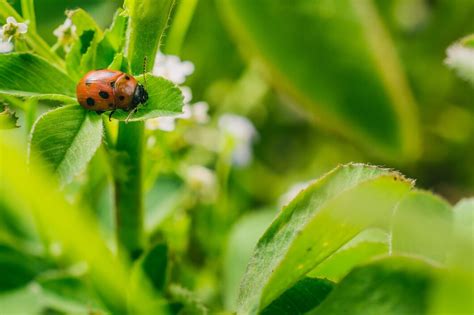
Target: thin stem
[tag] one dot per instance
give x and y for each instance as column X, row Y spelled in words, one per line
column 129, row 189
column 181, row 22
column 28, row 11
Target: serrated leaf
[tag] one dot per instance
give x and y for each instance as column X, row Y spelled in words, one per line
column 8, row 119
column 66, row 139
column 389, row 286
column 164, row 99
column 27, row 75
column 305, row 295
column 337, row 60
column 433, row 240
column 320, row 220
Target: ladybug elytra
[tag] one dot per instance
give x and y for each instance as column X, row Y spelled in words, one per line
column 104, row 90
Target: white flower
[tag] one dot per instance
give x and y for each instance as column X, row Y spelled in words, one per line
column 172, row 68
column 294, row 190
column 5, row 47
column 12, row 29
column 241, row 133
column 166, row 123
column 66, row 33
column 202, row 180
column 200, row 112
column 461, row 59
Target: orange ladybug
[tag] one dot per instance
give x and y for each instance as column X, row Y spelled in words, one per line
column 104, row 90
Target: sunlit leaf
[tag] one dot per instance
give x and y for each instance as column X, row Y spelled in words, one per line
column 337, row 60
column 26, row 75
column 320, row 220
column 433, row 240
column 66, row 138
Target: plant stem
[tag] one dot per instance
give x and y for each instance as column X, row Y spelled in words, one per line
column 129, row 190
column 28, row 11
column 181, row 22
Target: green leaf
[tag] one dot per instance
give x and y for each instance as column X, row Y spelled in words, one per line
column 337, row 60
column 321, row 219
column 66, row 138
column 389, row 286
column 153, row 265
column 164, row 99
column 356, row 252
column 148, row 20
column 305, row 295
column 17, row 268
column 8, row 119
column 115, row 35
column 422, row 225
column 462, row 253
column 26, row 75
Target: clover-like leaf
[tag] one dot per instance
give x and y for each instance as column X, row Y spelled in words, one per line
column 66, row 138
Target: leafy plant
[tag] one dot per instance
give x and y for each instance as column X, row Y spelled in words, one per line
column 121, row 216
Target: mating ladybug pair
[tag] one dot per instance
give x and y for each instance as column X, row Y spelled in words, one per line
column 109, row 90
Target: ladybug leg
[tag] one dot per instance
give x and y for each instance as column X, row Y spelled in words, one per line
column 111, row 113
column 99, row 112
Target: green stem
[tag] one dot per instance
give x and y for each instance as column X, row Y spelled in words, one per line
column 28, row 10
column 181, row 22
column 129, row 190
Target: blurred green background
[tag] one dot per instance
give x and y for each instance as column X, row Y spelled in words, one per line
column 324, row 83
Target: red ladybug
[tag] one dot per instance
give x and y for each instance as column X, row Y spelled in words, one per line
column 103, row 90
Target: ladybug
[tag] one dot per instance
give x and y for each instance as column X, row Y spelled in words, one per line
column 104, row 90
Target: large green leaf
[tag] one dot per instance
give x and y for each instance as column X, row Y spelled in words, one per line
column 320, row 220
column 390, row 286
column 164, row 98
column 66, row 138
column 358, row 251
column 26, row 75
column 337, row 60
column 434, row 239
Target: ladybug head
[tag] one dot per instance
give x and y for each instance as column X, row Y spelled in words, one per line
column 140, row 96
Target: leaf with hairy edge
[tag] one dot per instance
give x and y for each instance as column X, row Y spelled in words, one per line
column 164, row 99
column 433, row 240
column 319, row 221
column 8, row 119
column 27, row 75
column 66, row 138
column 353, row 84
column 390, row 286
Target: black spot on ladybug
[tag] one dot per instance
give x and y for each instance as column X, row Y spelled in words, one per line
column 112, row 84
column 121, row 97
column 111, row 105
column 104, row 95
column 127, row 77
column 90, row 101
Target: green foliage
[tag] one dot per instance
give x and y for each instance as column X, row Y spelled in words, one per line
column 26, row 75
column 319, row 220
column 394, row 285
column 8, row 119
column 66, row 138
column 352, row 84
